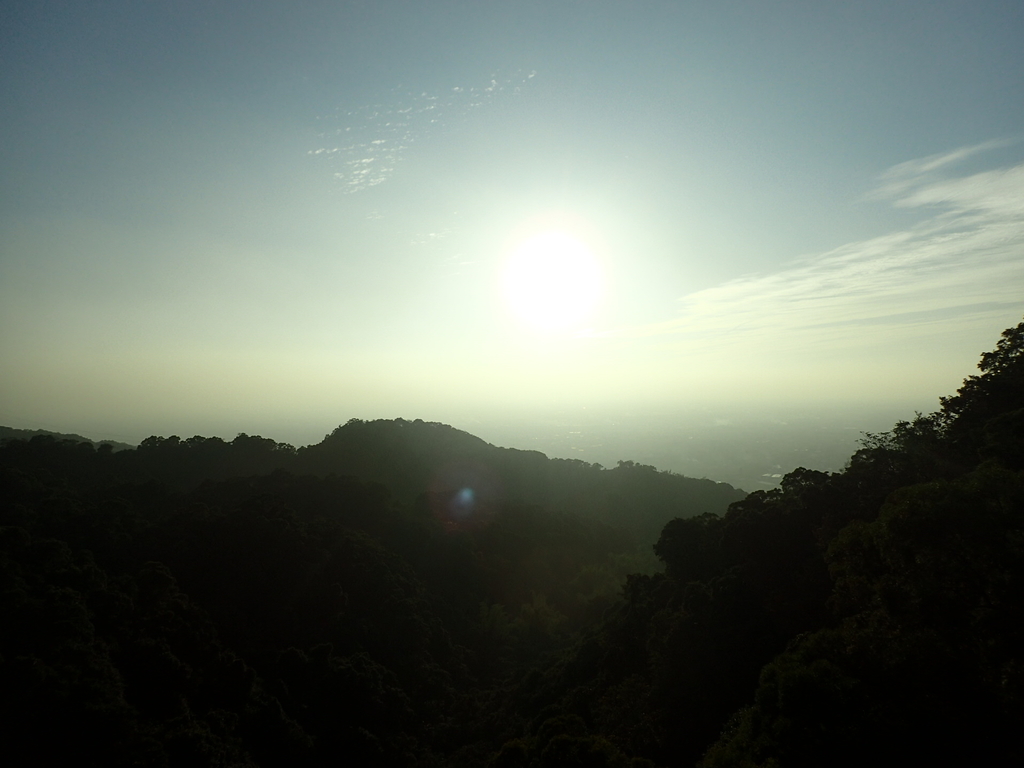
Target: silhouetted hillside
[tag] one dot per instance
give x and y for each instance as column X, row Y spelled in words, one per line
column 273, row 619
column 9, row 433
column 873, row 616
column 464, row 472
column 212, row 603
column 463, row 477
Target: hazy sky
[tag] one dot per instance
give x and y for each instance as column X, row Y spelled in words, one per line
column 272, row 217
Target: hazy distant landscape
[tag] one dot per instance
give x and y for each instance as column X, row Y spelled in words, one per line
column 749, row 451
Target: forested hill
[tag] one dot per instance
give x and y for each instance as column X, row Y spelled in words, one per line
column 9, row 433
column 205, row 603
column 463, row 477
column 873, row 616
column 410, row 457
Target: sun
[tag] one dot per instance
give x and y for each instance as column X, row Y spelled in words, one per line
column 552, row 280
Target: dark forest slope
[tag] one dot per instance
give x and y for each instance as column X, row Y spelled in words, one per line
column 413, row 457
column 10, row 433
column 873, row 616
column 463, row 477
column 208, row 603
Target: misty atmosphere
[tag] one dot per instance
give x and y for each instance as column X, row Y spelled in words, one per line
column 511, row 385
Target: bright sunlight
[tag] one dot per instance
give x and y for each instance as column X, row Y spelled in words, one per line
column 552, row 280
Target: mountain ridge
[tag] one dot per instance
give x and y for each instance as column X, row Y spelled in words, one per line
column 459, row 474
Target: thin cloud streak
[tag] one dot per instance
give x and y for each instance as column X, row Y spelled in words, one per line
column 363, row 147
column 966, row 259
column 902, row 177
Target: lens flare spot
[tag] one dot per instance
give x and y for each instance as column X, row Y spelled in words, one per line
column 462, row 503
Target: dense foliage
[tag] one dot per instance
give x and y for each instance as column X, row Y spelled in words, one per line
column 873, row 616
column 404, row 594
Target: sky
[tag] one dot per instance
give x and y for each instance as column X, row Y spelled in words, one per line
column 270, row 218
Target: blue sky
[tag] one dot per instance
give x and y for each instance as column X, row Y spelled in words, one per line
column 223, row 217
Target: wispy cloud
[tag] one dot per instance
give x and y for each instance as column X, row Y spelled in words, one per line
column 912, row 173
column 966, row 258
column 363, row 147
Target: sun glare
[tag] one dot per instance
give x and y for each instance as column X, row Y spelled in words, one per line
column 552, row 280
